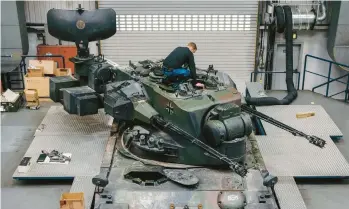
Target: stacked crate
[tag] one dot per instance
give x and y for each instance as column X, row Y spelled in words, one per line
column 39, row 73
column 32, row 98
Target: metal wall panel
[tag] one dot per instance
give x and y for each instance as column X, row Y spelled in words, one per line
column 8, row 13
column 313, row 43
column 224, row 31
column 36, row 11
column 14, row 38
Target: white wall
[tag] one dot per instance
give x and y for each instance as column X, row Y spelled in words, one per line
column 315, row 43
column 36, row 11
column 33, row 42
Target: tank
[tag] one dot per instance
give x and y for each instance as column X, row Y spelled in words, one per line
column 170, row 125
column 160, row 119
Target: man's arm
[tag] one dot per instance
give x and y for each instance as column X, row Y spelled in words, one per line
column 192, row 66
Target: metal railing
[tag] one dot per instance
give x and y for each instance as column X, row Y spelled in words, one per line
column 20, row 70
column 12, row 77
column 255, row 73
column 328, row 77
column 24, row 69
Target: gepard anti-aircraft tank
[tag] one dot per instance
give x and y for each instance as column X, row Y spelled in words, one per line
column 162, row 119
column 168, row 123
column 177, row 122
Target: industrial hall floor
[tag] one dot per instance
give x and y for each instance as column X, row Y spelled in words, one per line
column 17, row 130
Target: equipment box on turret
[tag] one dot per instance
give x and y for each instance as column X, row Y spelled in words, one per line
column 58, row 83
column 87, row 105
column 71, row 95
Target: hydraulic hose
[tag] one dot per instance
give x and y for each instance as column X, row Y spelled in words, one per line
column 291, row 91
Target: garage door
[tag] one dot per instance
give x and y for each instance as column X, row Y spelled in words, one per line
column 224, row 31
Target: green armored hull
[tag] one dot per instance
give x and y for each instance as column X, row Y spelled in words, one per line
column 209, row 114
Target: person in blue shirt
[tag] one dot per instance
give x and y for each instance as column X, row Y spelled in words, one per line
column 173, row 63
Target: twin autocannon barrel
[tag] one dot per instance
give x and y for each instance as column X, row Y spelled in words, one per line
column 312, row 139
column 158, row 121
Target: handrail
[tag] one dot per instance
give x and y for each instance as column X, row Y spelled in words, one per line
column 48, row 56
column 336, row 79
column 329, row 79
column 337, row 93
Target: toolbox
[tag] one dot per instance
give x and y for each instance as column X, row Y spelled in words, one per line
column 61, row 82
column 12, row 105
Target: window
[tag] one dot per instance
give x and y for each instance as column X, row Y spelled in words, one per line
column 209, row 22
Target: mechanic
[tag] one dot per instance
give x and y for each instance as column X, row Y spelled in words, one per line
column 173, row 64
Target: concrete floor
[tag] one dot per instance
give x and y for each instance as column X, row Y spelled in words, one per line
column 17, row 130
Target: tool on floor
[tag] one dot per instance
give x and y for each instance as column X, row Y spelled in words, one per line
column 305, row 114
column 56, row 156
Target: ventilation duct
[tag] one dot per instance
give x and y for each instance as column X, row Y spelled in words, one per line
column 338, row 40
column 304, row 15
column 303, row 19
column 323, row 12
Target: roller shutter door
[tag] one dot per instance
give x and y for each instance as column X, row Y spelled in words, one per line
column 224, row 31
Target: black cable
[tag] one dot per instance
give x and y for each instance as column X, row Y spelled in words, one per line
column 292, row 92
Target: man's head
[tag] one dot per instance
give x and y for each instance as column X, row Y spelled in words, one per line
column 192, row 47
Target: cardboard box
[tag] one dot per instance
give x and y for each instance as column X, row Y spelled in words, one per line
column 41, row 84
column 48, row 65
column 72, row 201
column 62, row 71
column 37, row 71
column 31, row 95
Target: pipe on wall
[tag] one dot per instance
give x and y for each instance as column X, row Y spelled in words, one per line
column 303, row 19
column 323, row 14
